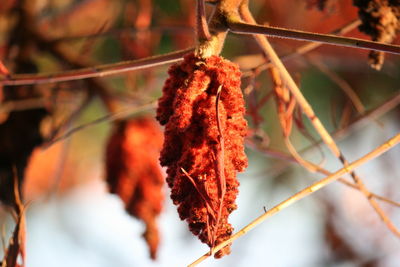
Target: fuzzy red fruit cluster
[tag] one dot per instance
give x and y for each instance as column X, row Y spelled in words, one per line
column 134, row 173
column 203, row 143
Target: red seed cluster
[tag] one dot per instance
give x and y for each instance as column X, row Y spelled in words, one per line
column 202, row 168
column 133, row 172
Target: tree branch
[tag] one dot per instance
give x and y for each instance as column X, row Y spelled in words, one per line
column 97, row 71
column 246, row 28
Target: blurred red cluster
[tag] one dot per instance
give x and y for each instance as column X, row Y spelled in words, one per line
column 133, row 172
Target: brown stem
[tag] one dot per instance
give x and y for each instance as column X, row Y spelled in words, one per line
column 202, row 27
column 218, row 27
column 110, row 117
column 246, row 28
column 343, row 84
column 96, row 71
column 301, row 50
column 220, row 158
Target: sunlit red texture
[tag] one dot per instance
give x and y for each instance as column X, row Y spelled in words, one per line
column 188, row 111
column 133, row 172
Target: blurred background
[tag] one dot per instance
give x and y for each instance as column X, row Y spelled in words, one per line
column 73, row 220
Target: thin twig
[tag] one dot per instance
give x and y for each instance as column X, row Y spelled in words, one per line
column 286, row 157
column 67, row 122
column 220, row 164
column 97, row 71
column 202, row 26
column 246, row 28
column 306, row 164
column 62, row 159
column 313, row 45
column 343, row 84
column 375, row 113
column 303, row 193
column 301, row 50
column 107, row 118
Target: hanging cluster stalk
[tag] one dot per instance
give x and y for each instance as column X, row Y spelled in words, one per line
column 202, row 108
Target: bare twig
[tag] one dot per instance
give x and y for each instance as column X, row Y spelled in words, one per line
column 313, row 45
column 305, row 192
column 301, row 50
column 344, row 85
column 107, row 118
column 67, row 122
column 202, row 27
column 220, row 164
column 16, row 249
column 97, row 71
column 286, row 157
column 391, row 103
column 246, row 28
